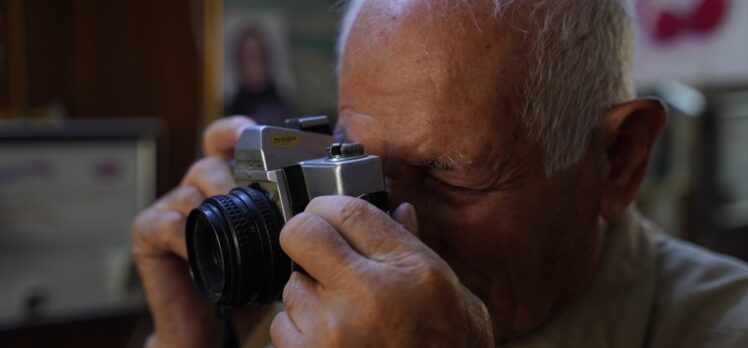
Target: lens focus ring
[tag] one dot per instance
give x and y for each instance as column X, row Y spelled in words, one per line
column 277, row 263
column 234, row 251
column 245, row 233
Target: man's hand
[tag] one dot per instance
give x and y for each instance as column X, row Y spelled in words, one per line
column 181, row 317
column 371, row 282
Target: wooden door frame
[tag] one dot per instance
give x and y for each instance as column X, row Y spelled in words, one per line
column 212, row 61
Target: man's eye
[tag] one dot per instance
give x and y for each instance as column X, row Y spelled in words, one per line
column 434, row 183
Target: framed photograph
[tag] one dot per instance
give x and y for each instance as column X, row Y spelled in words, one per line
column 279, row 59
column 257, row 80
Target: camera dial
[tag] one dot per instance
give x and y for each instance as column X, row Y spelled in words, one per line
column 338, row 151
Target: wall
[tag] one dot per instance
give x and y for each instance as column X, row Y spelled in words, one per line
column 115, row 58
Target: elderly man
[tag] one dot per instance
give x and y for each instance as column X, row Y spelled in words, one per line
column 513, row 149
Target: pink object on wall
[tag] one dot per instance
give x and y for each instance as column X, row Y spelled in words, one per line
column 702, row 17
column 668, row 26
column 699, row 42
column 708, row 15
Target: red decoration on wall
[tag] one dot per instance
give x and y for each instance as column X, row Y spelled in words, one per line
column 708, row 15
column 668, row 26
column 703, row 18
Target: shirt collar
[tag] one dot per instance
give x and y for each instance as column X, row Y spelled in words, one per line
column 616, row 307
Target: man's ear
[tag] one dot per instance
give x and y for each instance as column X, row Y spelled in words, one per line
column 628, row 133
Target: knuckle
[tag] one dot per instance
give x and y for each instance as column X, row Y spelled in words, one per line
column 304, row 227
column 224, row 126
column 352, row 209
column 292, row 229
column 239, row 120
column 143, row 224
column 287, row 294
column 190, row 193
column 203, row 165
column 299, row 221
column 215, row 128
column 433, row 275
column 139, row 224
column 140, row 231
column 193, row 171
column 189, row 196
column 211, row 175
column 294, row 291
column 276, row 327
column 171, row 220
column 316, row 203
column 151, row 226
column 212, row 128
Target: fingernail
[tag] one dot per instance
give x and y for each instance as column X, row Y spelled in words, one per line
column 412, row 217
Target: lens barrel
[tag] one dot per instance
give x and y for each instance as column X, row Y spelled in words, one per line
column 233, row 250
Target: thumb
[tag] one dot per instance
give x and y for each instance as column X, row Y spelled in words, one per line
column 222, row 135
column 480, row 324
column 405, row 214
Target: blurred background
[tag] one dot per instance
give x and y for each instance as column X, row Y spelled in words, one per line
column 102, row 104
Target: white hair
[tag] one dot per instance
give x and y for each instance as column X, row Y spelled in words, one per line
column 580, row 56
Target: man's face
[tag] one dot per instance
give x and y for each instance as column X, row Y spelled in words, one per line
column 435, row 96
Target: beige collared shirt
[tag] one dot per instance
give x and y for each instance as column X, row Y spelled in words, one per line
column 654, row 291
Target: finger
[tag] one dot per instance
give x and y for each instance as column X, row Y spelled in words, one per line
column 405, row 214
column 370, row 231
column 171, row 294
column 221, row 136
column 283, row 332
column 181, row 199
column 159, row 233
column 211, row 175
column 330, row 258
column 299, row 296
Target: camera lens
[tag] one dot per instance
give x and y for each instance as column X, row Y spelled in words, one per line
column 233, row 250
column 212, row 264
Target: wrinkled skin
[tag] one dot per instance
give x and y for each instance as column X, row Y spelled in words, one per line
column 487, row 247
column 181, row 318
column 522, row 242
column 453, row 146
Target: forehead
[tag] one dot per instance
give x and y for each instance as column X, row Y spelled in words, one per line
column 434, row 76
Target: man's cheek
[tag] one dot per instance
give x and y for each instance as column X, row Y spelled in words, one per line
column 440, row 224
column 442, row 214
column 403, row 189
column 477, row 232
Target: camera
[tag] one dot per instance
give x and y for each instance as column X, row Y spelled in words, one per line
column 234, row 253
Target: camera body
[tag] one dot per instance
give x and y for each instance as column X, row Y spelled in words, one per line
column 296, row 165
column 232, row 240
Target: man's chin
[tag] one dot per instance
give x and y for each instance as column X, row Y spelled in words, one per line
column 507, row 327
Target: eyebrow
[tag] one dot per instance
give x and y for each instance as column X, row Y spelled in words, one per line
column 457, row 161
column 441, row 164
